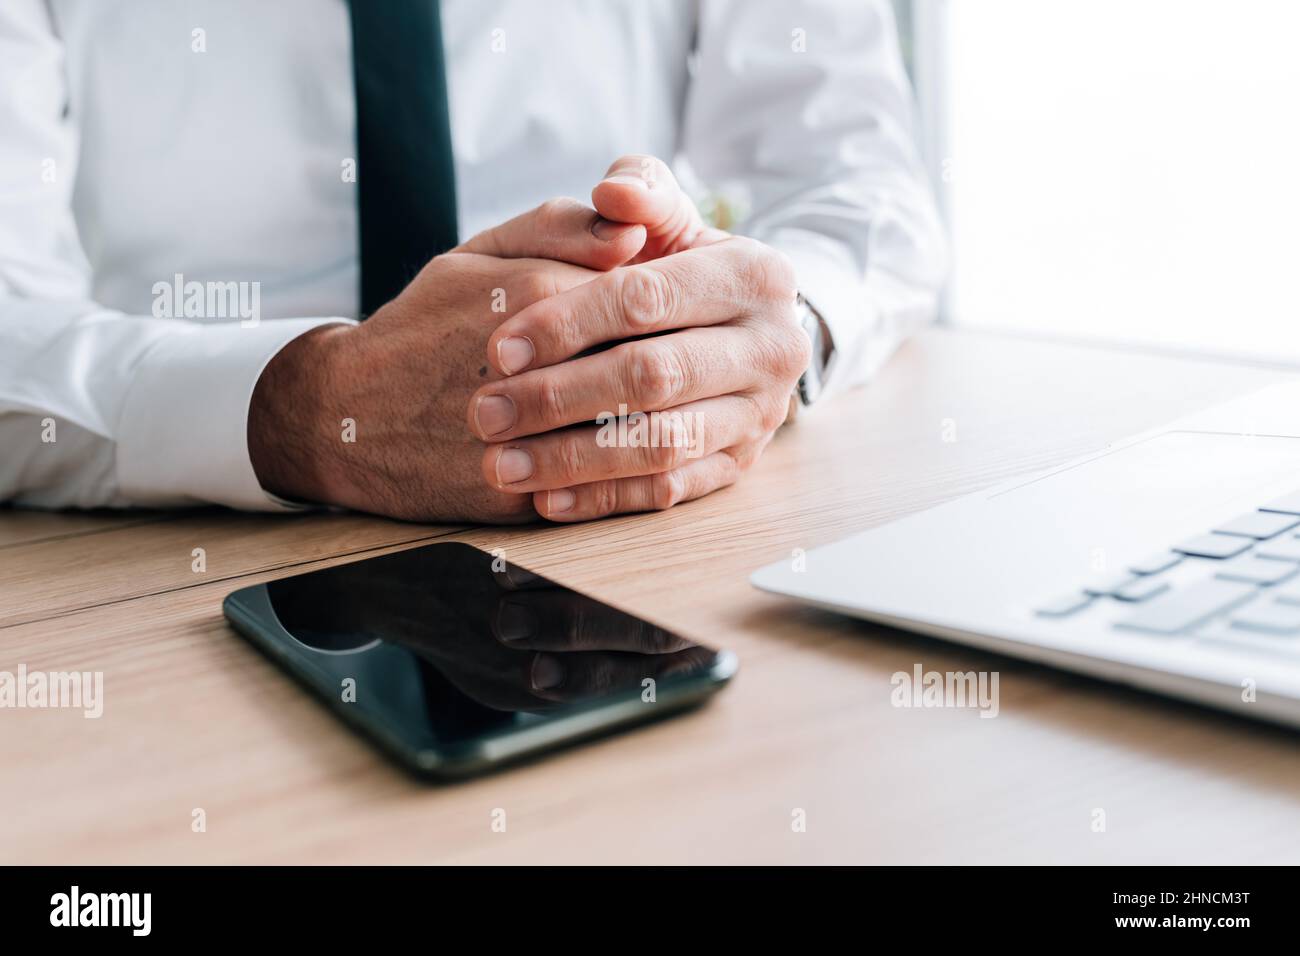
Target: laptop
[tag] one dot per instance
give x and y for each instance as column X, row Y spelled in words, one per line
column 1169, row 561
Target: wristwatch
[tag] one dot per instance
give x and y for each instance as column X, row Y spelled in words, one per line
column 813, row 381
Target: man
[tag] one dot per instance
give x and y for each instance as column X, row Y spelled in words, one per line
column 197, row 201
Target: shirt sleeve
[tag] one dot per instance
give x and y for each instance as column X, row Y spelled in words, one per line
column 100, row 408
column 801, row 114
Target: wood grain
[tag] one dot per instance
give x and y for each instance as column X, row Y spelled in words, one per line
column 66, row 572
column 20, row 526
column 195, row 718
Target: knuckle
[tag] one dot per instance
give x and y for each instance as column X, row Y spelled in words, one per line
column 645, row 296
column 772, row 416
column 571, row 460
column 550, row 402
column 763, row 418
column 552, row 212
column 745, row 247
column 768, row 273
column 535, row 286
column 775, row 275
column 738, row 460
column 785, row 353
column 666, row 489
column 794, row 352
column 604, row 497
column 563, row 329
column 657, row 377
column 651, row 459
column 685, row 430
column 487, row 242
column 549, row 223
column 767, row 414
column 667, row 453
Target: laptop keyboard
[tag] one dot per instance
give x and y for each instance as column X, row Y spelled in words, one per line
column 1251, row 585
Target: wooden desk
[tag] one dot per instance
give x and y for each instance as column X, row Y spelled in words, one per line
column 194, row 717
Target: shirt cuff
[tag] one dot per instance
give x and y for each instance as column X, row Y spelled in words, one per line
column 183, row 434
column 868, row 316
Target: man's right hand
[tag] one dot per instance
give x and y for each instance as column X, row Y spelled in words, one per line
column 372, row 417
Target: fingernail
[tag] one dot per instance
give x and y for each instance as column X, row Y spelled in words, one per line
column 607, row 230
column 558, row 502
column 515, row 353
column 548, row 672
column 628, row 181
column 513, row 464
column 494, row 414
column 514, row 622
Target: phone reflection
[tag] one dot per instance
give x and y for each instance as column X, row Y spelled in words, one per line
column 488, row 638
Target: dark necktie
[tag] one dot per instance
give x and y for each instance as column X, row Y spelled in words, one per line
column 405, row 173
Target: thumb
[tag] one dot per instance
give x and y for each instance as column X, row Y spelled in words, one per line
column 564, row 230
column 642, row 189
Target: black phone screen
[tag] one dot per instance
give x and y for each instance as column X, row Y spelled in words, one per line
column 442, row 646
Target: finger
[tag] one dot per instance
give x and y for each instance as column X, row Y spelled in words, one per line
column 561, row 229
column 647, row 493
column 639, row 444
column 642, row 189
column 561, row 620
column 700, row 287
column 524, row 282
column 647, row 375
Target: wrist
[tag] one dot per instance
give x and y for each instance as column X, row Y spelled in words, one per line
column 292, row 433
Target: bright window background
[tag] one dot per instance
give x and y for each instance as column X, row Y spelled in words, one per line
column 1122, row 169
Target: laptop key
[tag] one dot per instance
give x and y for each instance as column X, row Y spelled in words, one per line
column 1186, row 606
column 1287, row 504
column 1101, row 587
column 1280, row 549
column 1259, row 524
column 1155, row 563
column 1141, row 589
column 1288, row 592
column 1255, row 570
column 1271, row 617
column 1214, row 546
column 1066, row 605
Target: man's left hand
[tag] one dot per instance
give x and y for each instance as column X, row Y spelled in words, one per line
column 707, row 345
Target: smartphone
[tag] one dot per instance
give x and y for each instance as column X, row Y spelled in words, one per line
column 455, row 661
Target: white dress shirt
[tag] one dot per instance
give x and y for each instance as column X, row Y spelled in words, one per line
column 145, row 140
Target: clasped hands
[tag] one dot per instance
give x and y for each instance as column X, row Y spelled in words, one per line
column 484, row 391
